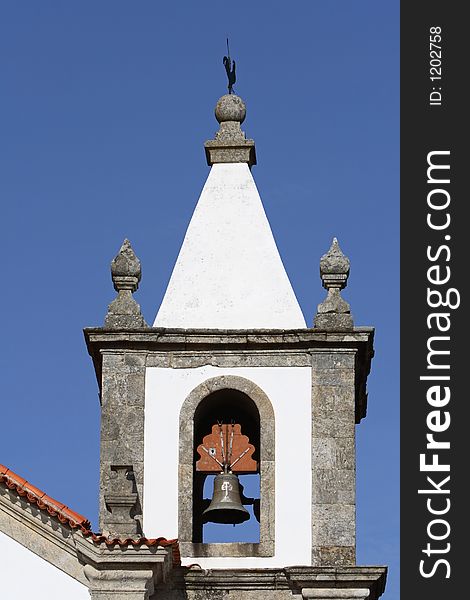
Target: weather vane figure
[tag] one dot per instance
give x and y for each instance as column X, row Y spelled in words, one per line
column 230, row 70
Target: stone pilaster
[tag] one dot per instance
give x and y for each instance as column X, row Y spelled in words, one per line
column 333, row 458
column 122, row 434
column 122, row 386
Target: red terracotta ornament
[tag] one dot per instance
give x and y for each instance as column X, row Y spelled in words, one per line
column 227, row 447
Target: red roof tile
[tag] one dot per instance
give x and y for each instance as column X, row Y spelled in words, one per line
column 41, row 499
column 67, row 516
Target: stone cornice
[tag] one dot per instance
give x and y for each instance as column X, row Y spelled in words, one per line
column 296, row 579
column 370, row 577
column 101, row 557
column 288, row 342
column 154, row 337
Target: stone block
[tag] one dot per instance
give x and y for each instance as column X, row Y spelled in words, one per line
column 112, row 360
column 268, row 439
column 125, row 451
column 135, row 359
column 334, row 376
column 334, row 555
column 323, row 453
column 337, row 399
column 158, row 360
column 207, row 594
column 336, row 426
column 268, row 508
column 136, row 388
column 114, row 388
column 110, row 427
column 333, row 360
column 123, row 423
column 325, row 399
column 334, row 593
column 185, row 503
column 218, row 383
column 255, row 594
column 328, row 453
column 187, row 361
column 133, row 447
column 333, row 322
column 334, row 525
column 345, row 453
column 333, row 486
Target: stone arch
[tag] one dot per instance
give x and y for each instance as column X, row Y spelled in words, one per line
column 265, row 547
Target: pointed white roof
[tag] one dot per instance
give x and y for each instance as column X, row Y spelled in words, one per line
column 229, row 274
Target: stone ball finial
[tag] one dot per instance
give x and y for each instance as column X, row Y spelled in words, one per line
column 334, row 267
column 126, row 271
column 230, row 144
column 230, row 108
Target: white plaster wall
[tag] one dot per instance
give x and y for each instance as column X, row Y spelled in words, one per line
column 229, row 274
column 289, row 390
column 24, row 575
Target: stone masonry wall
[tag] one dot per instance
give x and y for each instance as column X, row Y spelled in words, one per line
column 122, row 421
column 333, row 459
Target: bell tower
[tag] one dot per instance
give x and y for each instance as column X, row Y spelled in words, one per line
column 230, row 424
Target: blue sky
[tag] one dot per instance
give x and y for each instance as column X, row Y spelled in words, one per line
column 105, row 107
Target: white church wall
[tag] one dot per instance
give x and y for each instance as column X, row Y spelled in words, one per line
column 26, row 575
column 289, row 390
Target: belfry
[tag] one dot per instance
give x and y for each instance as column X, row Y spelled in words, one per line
column 228, row 461
column 231, row 383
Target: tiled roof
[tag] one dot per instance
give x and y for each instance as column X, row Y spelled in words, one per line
column 73, row 519
column 36, row 496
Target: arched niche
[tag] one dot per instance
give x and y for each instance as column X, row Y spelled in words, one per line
column 201, row 399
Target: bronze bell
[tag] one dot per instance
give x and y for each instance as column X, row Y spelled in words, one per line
column 226, row 505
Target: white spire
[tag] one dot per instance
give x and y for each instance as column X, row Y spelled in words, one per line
column 229, row 274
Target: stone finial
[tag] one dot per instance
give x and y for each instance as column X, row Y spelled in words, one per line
column 230, row 108
column 230, row 144
column 121, row 502
column 125, row 269
column 124, row 312
column 334, row 312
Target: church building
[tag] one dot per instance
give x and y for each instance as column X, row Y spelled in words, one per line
column 227, row 456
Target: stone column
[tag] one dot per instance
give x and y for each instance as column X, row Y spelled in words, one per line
column 122, row 408
column 333, row 458
column 333, row 425
column 122, row 429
